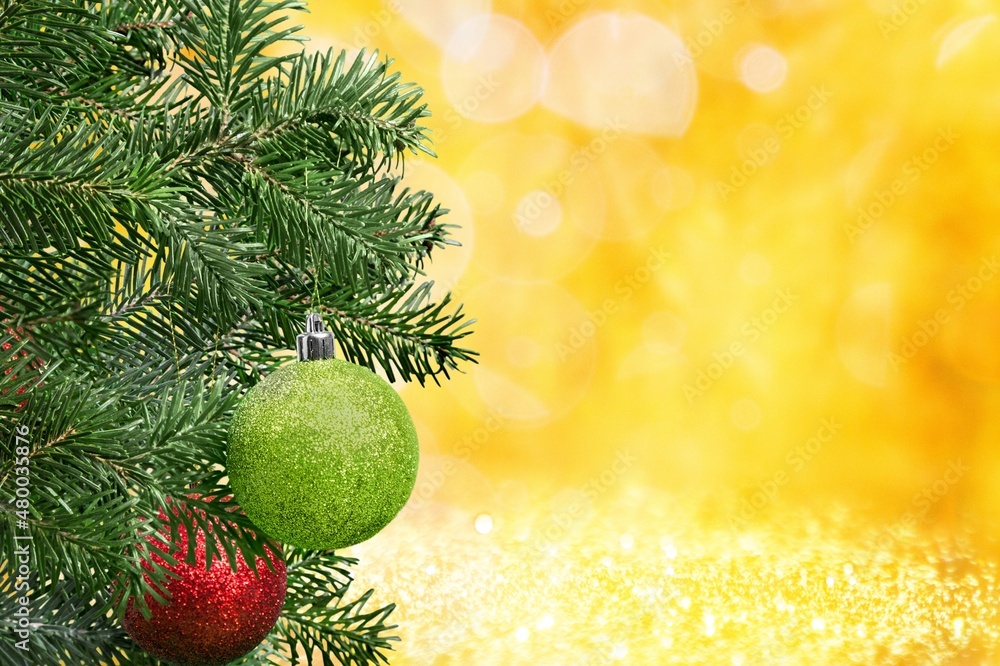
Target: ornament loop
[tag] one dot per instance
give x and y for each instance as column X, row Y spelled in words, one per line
column 316, row 344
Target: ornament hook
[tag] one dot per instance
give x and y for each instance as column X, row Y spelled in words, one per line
column 316, row 344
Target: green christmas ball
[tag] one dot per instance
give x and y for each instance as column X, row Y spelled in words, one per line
column 322, row 454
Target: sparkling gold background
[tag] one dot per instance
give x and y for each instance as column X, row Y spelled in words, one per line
column 734, row 265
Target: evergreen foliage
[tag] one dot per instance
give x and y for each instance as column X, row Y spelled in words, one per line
column 180, row 183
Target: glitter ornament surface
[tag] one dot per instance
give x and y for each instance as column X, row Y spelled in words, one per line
column 214, row 615
column 322, row 454
column 646, row 579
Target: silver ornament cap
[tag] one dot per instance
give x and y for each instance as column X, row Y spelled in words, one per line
column 316, row 344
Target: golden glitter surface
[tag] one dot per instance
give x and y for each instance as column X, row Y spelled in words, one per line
column 640, row 583
column 734, row 265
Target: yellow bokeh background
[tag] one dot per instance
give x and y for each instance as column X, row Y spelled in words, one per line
column 734, row 266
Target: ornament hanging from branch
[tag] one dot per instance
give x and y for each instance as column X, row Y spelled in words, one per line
column 214, row 614
column 322, row 453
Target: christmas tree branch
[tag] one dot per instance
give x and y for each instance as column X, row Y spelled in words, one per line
column 62, row 183
column 202, row 261
column 366, row 108
column 61, row 623
column 317, row 621
column 105, row 471
column 350, row 229
column 411, row 335
column 178, row 192
column 227, row 40
column 48, row 46
column 82, row 519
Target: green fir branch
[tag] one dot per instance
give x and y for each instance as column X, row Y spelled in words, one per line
column 226, row 41
column 61, row 623
column 317, row 618
column 179, row 189
column 371, row 113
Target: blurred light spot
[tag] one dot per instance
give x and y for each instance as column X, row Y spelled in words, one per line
column 818, row 624
column 619, row 651
column 522, row 634
column 745, row 414
column 523, row 352
column 664, row 332
column 546, row 622
column 863, row 333
column 759, row 143
column 558, row 230
column 755, row 269
column 972, row 328
column 484, row 523
column 438, row 19
column 709, row 624
column 631, row 201
column 447, row 267
column 485, row 191
column 860, row 172
column 538, row 213
column 762, row 68
column 493, row 69
column 749, row 543
column 627, row 541
column 961, row 36
column 560, row 344
column 588, row 82
column 508, row 397
column 673, row 187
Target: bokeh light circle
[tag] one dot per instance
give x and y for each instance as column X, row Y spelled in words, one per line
column 484, row 523
column 538, row 213
column 493, row 69
column 438, row 19
column 631, row 173
column 972, row 329
column 561, row 345
column 620, row 68
column 445, row 267
column 863, row 334
column 664, row 332
column 531, row 224
column 762, row 68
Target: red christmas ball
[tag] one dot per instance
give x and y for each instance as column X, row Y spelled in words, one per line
column 213, row 615
column 10, row 379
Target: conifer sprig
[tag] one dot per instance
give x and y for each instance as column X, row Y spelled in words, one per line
column 178, row 188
